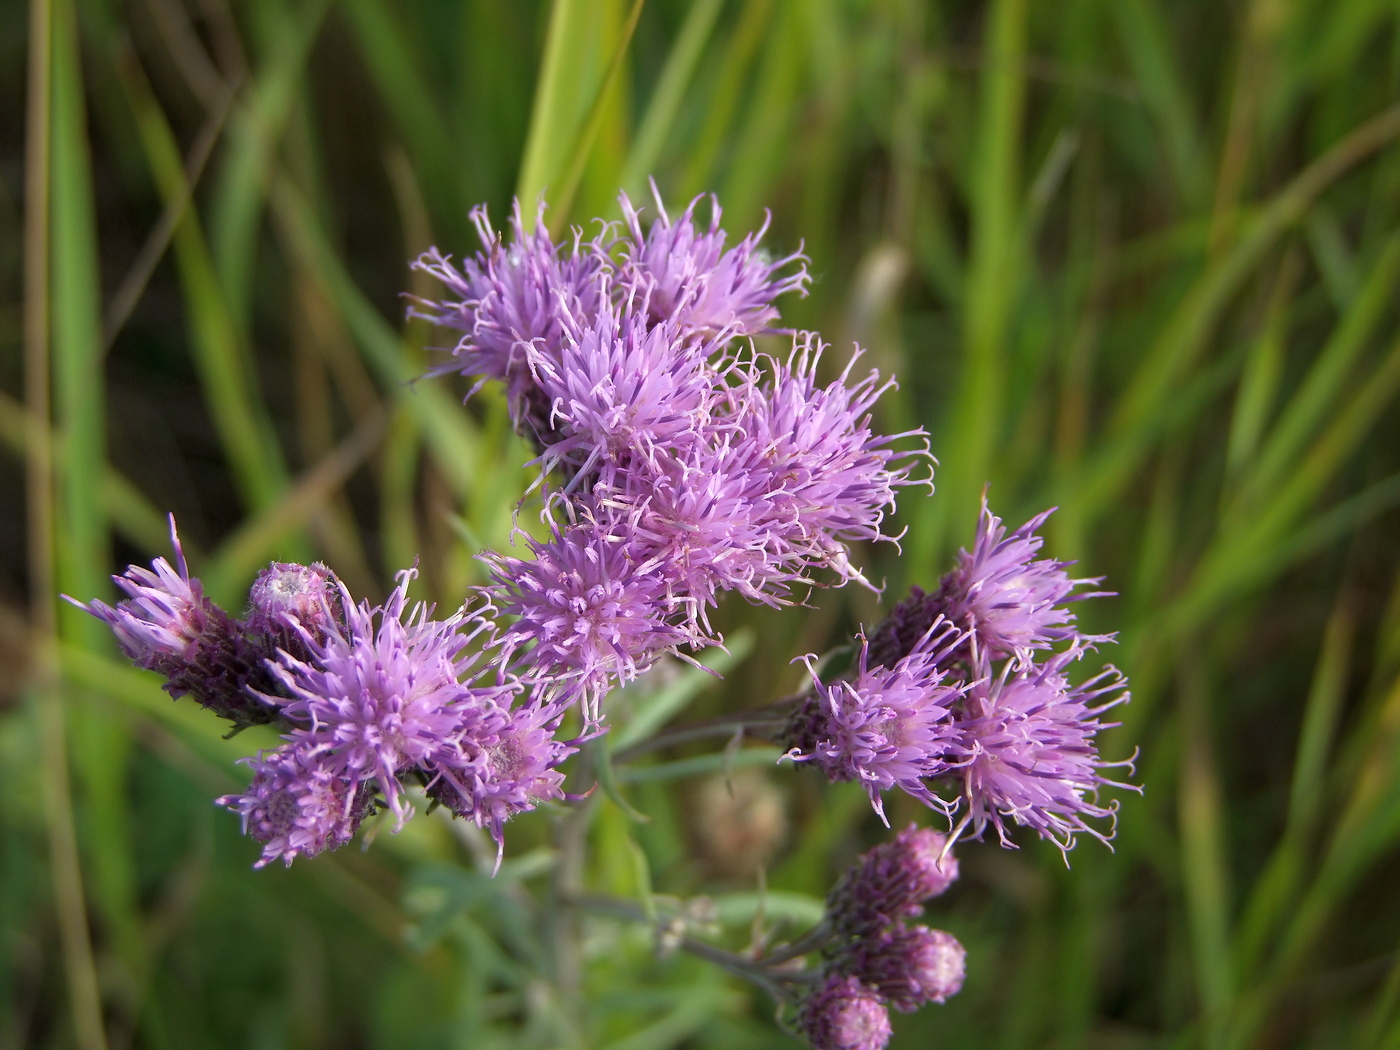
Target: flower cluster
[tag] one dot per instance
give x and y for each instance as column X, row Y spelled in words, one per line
column 964, row 687
column 874, row 958
column 683, row 462
column 370, row 700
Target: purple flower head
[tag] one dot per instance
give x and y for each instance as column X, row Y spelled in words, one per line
column 591, row 614
column 169, row 625
column 299, row 804
column 384, row 695
column 511, row 297
column 843, row 1014
column 286, row 594
column 164, row 616
column 1010, row 603
column 825, row 478
column 694, row 282
column 909, row 966
column 890, row 727
column 1030, row 751
column 513, row 770
column 891, row 883
column 618, row 392
column 701, row 516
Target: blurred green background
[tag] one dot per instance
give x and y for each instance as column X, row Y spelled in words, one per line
column 1135, row 258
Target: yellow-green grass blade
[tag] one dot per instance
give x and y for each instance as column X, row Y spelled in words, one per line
column 968, row 444
column 226, row 372
column 259, row 120
column 452, row 438
column 99, row 746
column 667, row 96
column 727, row 86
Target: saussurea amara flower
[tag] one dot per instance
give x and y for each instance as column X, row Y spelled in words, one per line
column 1011, row 603
column 889, row 726
column 167, row 624
column 515, row 297
column 1030, row 753
column 909, row 966
column 693, row 282
column 384, row 695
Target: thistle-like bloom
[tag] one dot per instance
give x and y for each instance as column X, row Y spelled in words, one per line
column 844, row 1014
column 512, row 299
column 909, row 966
column 620, row 393
column 299, row 804
column 513, row 770
column 890, row 727
column 692, row 281
column 164, row 616
column 169, row 625
column 384, row 695
column 825, row 479
column 1030, row 751
column 890, row 883
column 589, row 612
column 1011, row 603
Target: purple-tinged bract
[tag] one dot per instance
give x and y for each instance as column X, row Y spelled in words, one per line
column 843, row 1014
column 890, row 727
column 1030, row 752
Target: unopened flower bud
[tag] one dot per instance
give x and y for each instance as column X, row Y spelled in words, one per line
column 910, row 966
column 286, row 593
column 843, row 1014
column 891, row 881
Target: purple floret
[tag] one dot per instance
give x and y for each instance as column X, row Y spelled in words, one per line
column 164, row 616
column 620, row 395
column 590, row 612
column 512, row 771
column 890, row 727
column 1030, row 751
column 826, row 479
column 514, row 299
column 692, row 281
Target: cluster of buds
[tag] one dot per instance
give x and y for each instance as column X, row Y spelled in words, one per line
column 874, row 959
column 961, row 698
